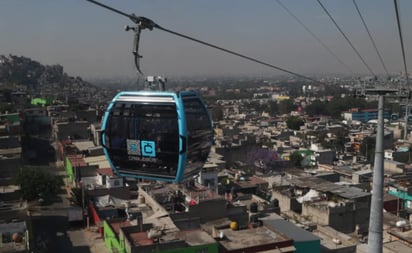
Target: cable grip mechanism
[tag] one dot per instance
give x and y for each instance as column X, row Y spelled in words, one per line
column 141, row 24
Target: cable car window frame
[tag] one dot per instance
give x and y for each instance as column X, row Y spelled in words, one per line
column 154, row 108
column 199, row 133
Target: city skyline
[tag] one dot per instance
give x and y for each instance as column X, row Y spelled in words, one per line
column 90, row 41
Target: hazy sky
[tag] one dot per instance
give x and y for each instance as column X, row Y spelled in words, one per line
column 90, row 41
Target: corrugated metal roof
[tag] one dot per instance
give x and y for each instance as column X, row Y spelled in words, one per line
column 290, row 230
column 322, row 185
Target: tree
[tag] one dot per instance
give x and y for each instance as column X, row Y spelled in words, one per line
column 317, row 107
column 273, row 108
column 296, row 159
column 35, row 183
column 286, row 106
column 294, row 123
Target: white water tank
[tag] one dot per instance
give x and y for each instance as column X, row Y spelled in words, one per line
column 401, row 223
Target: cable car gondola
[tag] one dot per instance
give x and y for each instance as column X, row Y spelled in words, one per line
column 157, row 135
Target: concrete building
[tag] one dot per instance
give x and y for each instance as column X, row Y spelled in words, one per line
column 343, row 208
column 364, row 115
column 75, row 130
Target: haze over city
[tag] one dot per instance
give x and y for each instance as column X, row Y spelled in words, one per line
column 90, row 41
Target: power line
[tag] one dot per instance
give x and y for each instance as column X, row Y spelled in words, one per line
column 149, row 24
column 313, row 35
column 347, row 39
column 401, row 39
column 237, row 54
column 370, row 37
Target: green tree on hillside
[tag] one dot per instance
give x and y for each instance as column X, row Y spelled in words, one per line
column 294, row 122
column 37, row 182
column 296, row 159
column 286, row 106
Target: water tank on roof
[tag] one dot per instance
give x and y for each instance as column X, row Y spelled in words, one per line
column 337, row 241
column 233, row 225
column 253, row 207
column 400, row 223
column 332, row 204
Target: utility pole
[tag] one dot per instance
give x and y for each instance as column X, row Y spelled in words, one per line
column 405, row 134
column 375, row 237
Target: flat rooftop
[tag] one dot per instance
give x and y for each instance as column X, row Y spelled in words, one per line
column 396, row 246
column 405, row 236
column 290, row 230
column 101, row 161
column 246, row 238
column 195, row 237
column 328, row 234
column 83, row 145
column 322, row 185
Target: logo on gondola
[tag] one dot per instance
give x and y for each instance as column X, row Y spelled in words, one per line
column 133, row 147
column 141, row 148
column 148, row 148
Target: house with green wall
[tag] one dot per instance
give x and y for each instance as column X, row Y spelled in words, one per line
column 308, row 157
column 41, row 101
column 123, row 237
column 69, row 169
column 74, row 164
column 402, row 189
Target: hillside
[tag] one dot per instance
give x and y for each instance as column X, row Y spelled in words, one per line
column 23, row 71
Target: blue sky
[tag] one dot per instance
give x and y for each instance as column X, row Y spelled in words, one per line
column 90, row 41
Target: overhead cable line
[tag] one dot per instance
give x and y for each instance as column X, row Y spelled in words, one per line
column 149, row 24
column 370, row 37
column 313, row 35
column 346, row 37
column 401, row 39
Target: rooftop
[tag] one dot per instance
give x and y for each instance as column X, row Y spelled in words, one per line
column 195, row 237
column 402, row 235
column 251, row 182
column 83, row 145
column 322, row 185
column 105, row 171
column 101, row 161
column 247, row 238
column 332, row 239
column 77, row 160
column 290, row 230
column 396, row 246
